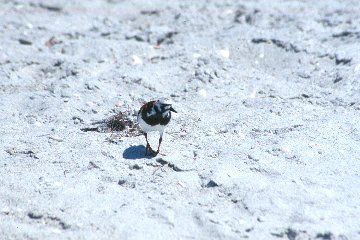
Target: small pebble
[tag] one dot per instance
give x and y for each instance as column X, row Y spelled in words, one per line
column 241, row 135
column 183, row 134
column 228, row 12
column 184, row 67
column 196, row 55
column 90, row 104
column 202, row 93
column 223, row 130
column 121, row 182
column 285, row 149
column 181, row 184
column 56, row 138
column 136, row 60
column 5, row 210
column 253, row 94
column 57, row 184
column 357, row 68
column 225, row 53
column 24, row 42
column 119, row 104
column 33, row 215
column 135, row 166
column 56, row 230
column 29, row 25
column 65, row 93
column 211, row 132
column 39, row 124
column 211, row 184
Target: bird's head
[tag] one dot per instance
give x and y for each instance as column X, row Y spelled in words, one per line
column 165, row 105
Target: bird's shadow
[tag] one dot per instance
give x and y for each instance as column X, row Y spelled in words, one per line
column 135, row 152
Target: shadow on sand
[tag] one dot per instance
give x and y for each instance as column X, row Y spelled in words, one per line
column 135, row 152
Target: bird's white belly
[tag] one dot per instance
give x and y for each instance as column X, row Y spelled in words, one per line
column 148, row 128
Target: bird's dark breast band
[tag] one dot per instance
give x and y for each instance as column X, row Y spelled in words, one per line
column 154, row 119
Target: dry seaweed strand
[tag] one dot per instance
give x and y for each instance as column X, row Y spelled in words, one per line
column 121, row 125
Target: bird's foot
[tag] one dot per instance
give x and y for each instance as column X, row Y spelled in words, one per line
column 150, row 152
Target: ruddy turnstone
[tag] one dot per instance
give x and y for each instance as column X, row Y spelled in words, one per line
column 154, row 116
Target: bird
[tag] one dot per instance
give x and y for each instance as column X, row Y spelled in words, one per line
column 155, row 116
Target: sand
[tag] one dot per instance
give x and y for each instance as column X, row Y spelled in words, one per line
column 265, row 144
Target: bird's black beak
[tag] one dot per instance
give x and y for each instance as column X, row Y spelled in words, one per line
column 173, row 110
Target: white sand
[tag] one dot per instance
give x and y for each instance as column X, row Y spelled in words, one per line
column 265, row 144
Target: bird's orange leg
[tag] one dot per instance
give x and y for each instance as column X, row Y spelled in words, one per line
column 160, row 140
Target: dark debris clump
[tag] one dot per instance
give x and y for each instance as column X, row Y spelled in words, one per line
column 122, row 123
